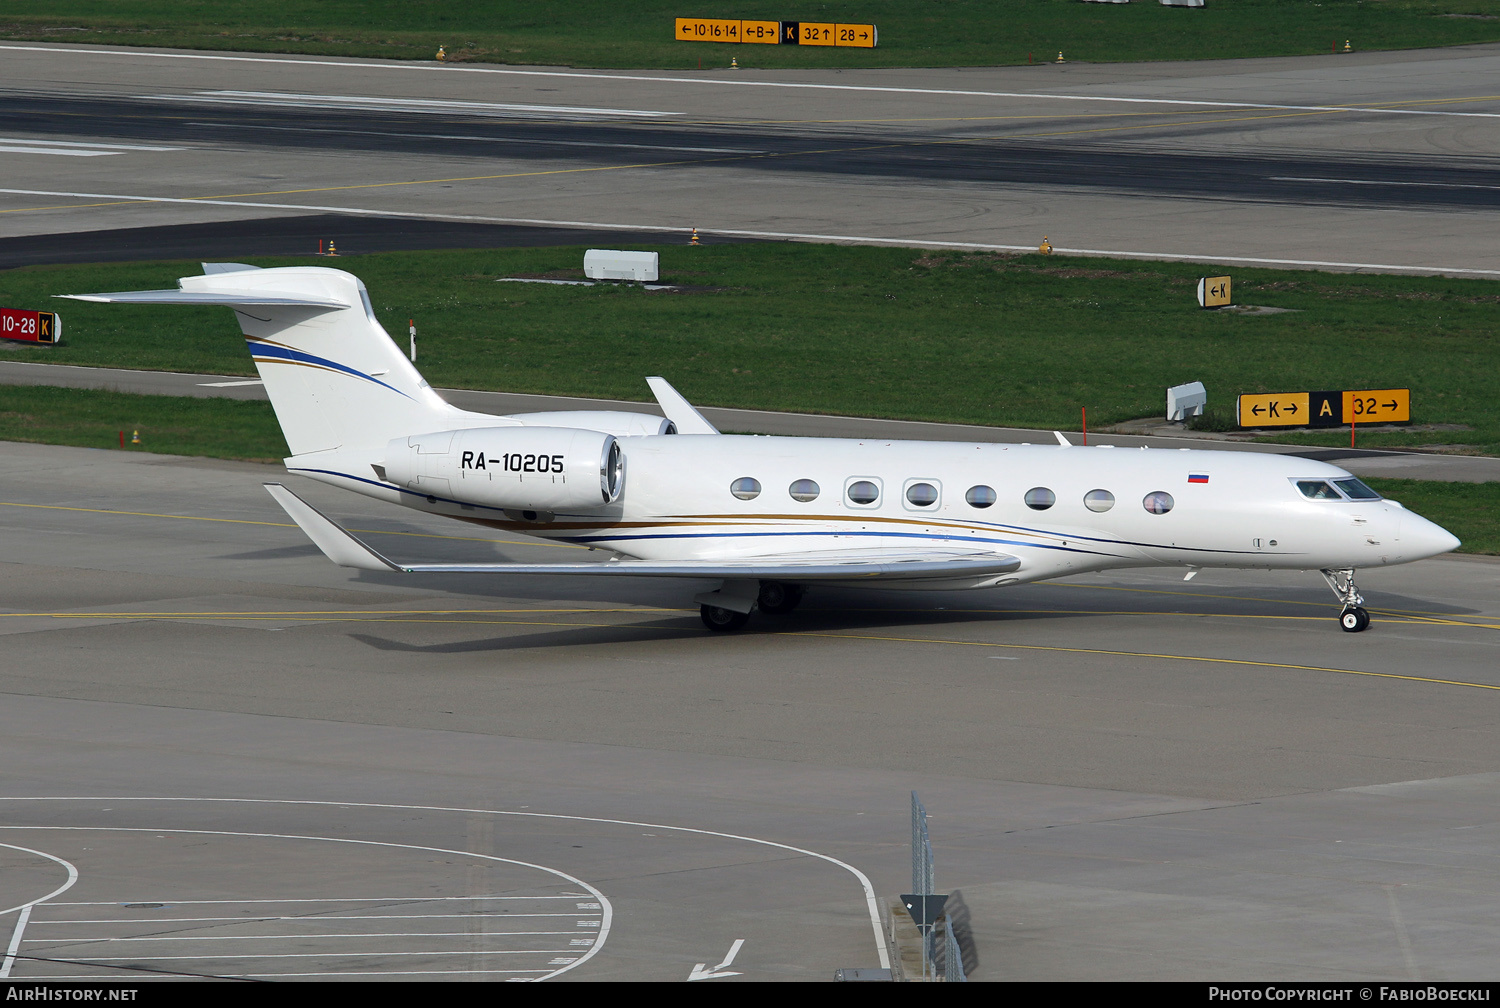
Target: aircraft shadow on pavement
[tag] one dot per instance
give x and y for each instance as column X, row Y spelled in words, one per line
column 686, row 625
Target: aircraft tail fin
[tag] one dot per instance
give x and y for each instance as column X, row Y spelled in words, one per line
column 334, row 376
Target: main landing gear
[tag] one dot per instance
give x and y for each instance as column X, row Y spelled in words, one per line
column 774, row 597
column 1354, row 618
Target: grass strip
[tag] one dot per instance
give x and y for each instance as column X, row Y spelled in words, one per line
column 606, row 33
column 166, row 425
column 983, row 338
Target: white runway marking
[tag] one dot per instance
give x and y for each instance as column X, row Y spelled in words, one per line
column 1380, row 182
column 418, row 106
column 230, row 384
column 24, row 917
column 483, row 139
column 605, row 910
column 592, row 911
column 452, row 68
column 1207, row 257
column 73, row 148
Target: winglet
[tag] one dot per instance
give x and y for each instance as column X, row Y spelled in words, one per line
column 684, row 417
column 336, row 544
column 1062, row 440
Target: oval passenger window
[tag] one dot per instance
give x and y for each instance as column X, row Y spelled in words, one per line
column 921, row 495
column 980, row 496
column 1040, row 498
column 803, row 490
column 863, row 492
column 1098, row 500
column 745, row 488
column 1158, row 502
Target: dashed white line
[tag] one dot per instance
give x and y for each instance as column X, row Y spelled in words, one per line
column 1382, row 182
column 73, row 148
column 418, row 106
column 481, row 139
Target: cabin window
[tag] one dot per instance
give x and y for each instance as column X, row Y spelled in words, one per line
column 1317, row 490
column 745, row 488
column 804, row 490
column 1158, row 502
column 980, row 496
column 921, row 494
column 863, row 492
column 1040, row 498
column 1356, row 489
column 1098, row 500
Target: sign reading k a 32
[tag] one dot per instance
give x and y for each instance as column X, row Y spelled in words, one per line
column 1324, row 409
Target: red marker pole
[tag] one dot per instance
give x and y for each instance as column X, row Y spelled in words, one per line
column 1351, row 430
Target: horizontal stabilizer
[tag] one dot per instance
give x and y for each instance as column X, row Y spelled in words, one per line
column 210, row 297
column 824, row 565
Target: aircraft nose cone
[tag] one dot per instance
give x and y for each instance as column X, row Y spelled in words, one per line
column 1423, row 538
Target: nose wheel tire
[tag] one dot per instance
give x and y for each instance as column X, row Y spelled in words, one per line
column 722, row 620
column 1354, row 619
column 776, row 597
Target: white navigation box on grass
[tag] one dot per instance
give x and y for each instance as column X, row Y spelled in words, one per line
column 608, row 264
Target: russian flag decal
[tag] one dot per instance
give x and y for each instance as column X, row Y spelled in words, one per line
column 1197, row 477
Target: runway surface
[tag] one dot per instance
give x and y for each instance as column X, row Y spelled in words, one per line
column 1379, row 160
column 1129, row 777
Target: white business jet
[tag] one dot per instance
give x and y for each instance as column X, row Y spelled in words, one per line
column 768, row 516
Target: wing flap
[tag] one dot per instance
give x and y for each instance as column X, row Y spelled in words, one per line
column 825, row 565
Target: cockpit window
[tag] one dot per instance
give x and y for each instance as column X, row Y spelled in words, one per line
column 1317, row 490
column 1356, row 490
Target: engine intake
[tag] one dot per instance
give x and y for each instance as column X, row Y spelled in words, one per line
column 522, row 468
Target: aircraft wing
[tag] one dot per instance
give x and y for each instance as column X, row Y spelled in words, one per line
column 824, row 565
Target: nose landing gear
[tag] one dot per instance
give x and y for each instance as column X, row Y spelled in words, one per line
column 1354, row 618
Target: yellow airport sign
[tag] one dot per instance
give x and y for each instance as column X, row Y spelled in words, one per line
column 1274, row 409
column 1324, row 409
column 1213, row 292
column 813, row 33
column 828, row 33
column 1392, row 405
column 725, row 30
column 761, row 32
column 822, row 33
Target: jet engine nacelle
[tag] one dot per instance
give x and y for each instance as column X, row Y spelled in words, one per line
column 616, row 422
column 522, row 468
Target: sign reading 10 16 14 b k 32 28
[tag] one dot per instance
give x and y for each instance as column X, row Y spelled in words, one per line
column 808, row 33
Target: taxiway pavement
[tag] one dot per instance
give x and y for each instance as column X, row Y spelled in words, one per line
column 1129, row 777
